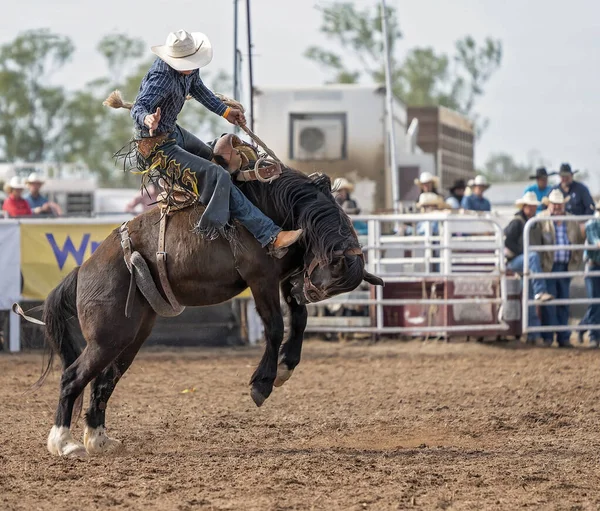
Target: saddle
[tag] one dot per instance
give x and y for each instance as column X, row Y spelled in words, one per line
column 243, row 162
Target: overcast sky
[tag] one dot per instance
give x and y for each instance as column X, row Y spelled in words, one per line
column 544, row 98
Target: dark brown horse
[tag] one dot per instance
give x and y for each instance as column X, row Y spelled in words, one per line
column 326, row 262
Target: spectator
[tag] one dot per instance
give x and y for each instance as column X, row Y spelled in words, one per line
column 476, row 201
column 541, row 188
column 15, row 205
column 39, row 204
column 430, row 202
column 592, row 284
column 580, row 200
column 428, row 183
column 343, row 188
column 457, row 192
column 514, row 244
column 146, row 200
column 561, row 260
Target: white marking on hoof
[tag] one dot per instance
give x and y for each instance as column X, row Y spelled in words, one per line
column 96, row 441
column 283, row 374
column 61, row 443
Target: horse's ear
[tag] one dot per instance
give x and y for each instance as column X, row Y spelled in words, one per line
column 374, row 280
column 321, row 181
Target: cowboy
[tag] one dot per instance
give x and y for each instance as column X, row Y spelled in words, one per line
column 430, row 202
column 592, row 283
column 15, row 204
column 343, row 189
column 457, row 192
column 541, row 188
column 427, row 183
column 560, row 260
column 476, row 201
column 39, row 204
column 513, row 243
column 580, row 200
column 181, row 157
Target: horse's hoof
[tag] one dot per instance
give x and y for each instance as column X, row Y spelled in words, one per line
column 260, row 393
column 61, row 443
column 97, row 442
column 283, row 374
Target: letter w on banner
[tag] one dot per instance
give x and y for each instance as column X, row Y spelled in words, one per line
column 49, row 251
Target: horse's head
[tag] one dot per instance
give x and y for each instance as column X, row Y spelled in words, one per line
column 334, row 262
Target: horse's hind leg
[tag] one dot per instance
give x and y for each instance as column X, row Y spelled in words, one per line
column 90, row 363
column 95, row 439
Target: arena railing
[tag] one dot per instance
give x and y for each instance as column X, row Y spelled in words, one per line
column 527, row 302
column 469, row 247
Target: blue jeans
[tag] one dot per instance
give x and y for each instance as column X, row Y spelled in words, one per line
column 592, row 315
column 240, row 207
column 537, row 285
column 557, row 315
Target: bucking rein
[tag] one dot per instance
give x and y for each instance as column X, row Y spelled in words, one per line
column 236, row 155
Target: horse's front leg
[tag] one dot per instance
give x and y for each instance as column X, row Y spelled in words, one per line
column 269, row 309
column 291, row 350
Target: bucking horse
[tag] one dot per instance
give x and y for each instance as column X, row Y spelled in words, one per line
column 116, row 314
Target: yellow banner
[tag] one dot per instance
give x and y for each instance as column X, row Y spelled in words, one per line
column 50, row 251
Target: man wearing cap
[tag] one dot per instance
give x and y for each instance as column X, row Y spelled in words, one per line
column 561, row 260
column 15, row 205
column 541, row 188
column 457, row 192
column 513, row 244
column 476, row 201
column 580, row 200
column 39, row 204
column 180, row 156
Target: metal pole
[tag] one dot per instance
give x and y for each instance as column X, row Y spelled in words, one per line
column 389, row 94
column 250, row 72
column 235, row 51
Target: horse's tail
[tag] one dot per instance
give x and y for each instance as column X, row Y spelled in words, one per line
column 60, row 306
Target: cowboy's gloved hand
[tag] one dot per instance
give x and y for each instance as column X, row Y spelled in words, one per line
column 151, row 120
column 236, row 116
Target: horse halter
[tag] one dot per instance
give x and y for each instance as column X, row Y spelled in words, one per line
column 313, row 293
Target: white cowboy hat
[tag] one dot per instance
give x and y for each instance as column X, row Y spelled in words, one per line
column 432, row 200
column 34, row 177
column 529, row 199
column 15, row 183
column 184, row 51
column 341, row 183
column 427, row 177
column 555, row 197
column 481, row 181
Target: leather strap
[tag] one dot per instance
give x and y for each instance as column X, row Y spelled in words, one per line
column 264, row 174
column 161, row 261
column 126, row 246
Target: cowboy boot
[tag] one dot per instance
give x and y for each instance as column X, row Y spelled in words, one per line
column 278, row 247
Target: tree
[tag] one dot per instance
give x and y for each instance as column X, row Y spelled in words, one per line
column 31, row 110
column 422, row 78
column 501, row 167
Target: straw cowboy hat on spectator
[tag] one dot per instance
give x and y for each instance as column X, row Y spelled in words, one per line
column 431, row 200
column 427, row 177
column 529, row 199
column 184, row 51
column 34, row 177
column 341, row 183
column 15, row 183
column 481, row 181
column 555, row 197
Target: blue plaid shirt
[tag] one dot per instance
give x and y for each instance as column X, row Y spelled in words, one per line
column 561, row 256
column 166, row 88
column 592, row 233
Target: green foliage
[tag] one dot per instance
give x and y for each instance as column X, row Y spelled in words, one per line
column 40, row 122
column 422, row 78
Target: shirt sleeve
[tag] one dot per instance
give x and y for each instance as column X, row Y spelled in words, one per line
column 487, row 205
column 466, row 202
column 153, row 90
column 204, row 95
column 514, row 240
column 588, row 202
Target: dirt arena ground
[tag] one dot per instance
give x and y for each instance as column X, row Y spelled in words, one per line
column 387, row 426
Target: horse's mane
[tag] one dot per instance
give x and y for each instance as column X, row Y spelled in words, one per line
column 297, row 201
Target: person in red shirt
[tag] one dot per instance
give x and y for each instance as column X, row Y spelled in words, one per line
column 15, row 204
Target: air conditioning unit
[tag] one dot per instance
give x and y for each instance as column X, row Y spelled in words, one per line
column 318, row 138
